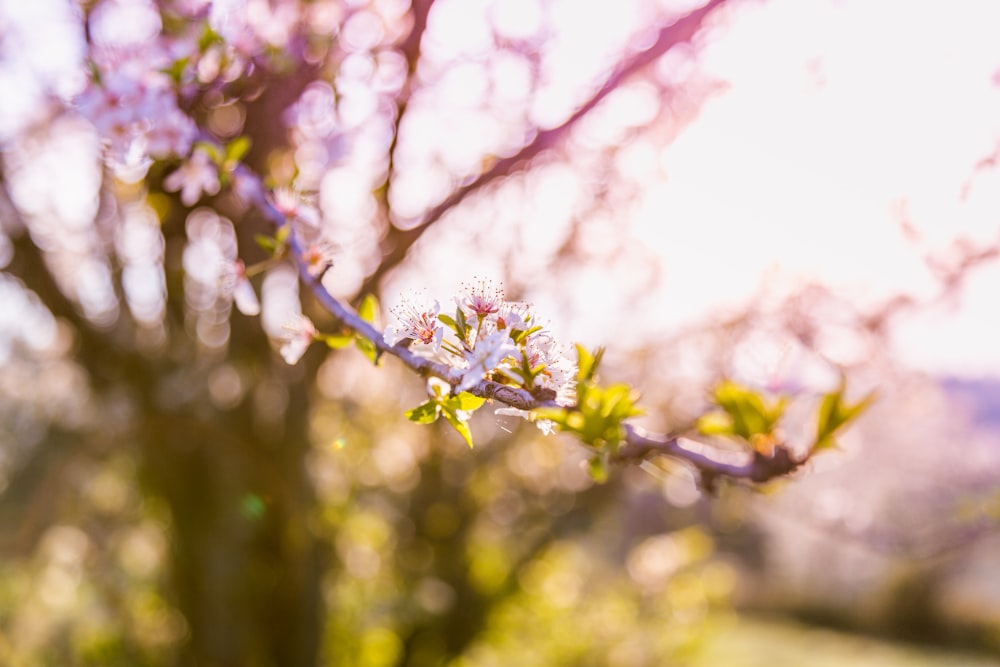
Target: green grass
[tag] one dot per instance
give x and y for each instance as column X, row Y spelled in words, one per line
column 757, row 642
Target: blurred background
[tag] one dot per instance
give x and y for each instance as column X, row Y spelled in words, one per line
column 780, row 192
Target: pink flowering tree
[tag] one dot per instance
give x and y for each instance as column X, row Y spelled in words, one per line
column 207, row 200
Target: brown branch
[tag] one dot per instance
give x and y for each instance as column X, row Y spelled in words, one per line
column 410, row 48
column 398, row 242
column 637, row 444
column 755, row 467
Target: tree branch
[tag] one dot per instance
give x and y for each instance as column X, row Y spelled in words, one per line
column 637, row 444
column 398, row 242
column 755, row 467
column 410, row 48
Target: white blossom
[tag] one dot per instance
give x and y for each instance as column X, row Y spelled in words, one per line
column 301, row 333
column 417, row 321
column 485, row 357
column 196, row 176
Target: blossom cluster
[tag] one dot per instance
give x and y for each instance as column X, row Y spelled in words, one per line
column 132, row 104
column 489, row 338
column 154, row 64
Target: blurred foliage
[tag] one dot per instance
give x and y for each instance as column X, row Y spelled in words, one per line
column 435, row 554
column 771, row 642
column 599, row 415
column 93, row 590
column 505, row 554
column 172, row 494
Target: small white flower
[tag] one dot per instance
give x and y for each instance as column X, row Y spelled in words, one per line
column 318, row 257
column 301, row 333
column 485, row 357
column 417, row 322
column 481, row 299
column 235, row 283
column 196, row 176
column 559, row 373
column 514, row 315
column 295, row 205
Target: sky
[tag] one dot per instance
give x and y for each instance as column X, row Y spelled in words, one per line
column 840, row 121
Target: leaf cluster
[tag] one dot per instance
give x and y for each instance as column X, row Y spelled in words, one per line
column 455, row 409
column 834, row 414
column 598, row 417
column 748, row 415
column 744, row 414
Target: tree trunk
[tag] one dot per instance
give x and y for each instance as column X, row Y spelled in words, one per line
column 246, row 568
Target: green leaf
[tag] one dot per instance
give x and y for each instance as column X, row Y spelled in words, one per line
column 337, row 342
column 715, row 423
column 368, row 310
column 748, row 411
column 834, row 414
column 466, row 401
column 743, row 407
column 176, row 69
column 619, row 402
column 266, row 242
column 461, row 426
column 597, row 467
column 587, row 363
column 448, row 322
column 237, row 148
column 518, row 335
column 367, row 348
column 462, row 324
column 211, row 149
column 208, row 37
column 576, row 421
column 555, row 415
column 425, row 413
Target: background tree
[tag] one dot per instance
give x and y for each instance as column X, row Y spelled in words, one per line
column 190, row 156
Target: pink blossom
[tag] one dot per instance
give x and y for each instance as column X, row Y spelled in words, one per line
column 513, row 315
column 235, row 282
column 301, row 333
column 172, row 135
column 417, row 321
column 481, row 299
column 485, row 357
column 559, row 373
column 133, row 105
column 196, row 176
column 295, row 205
column 318, row 257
